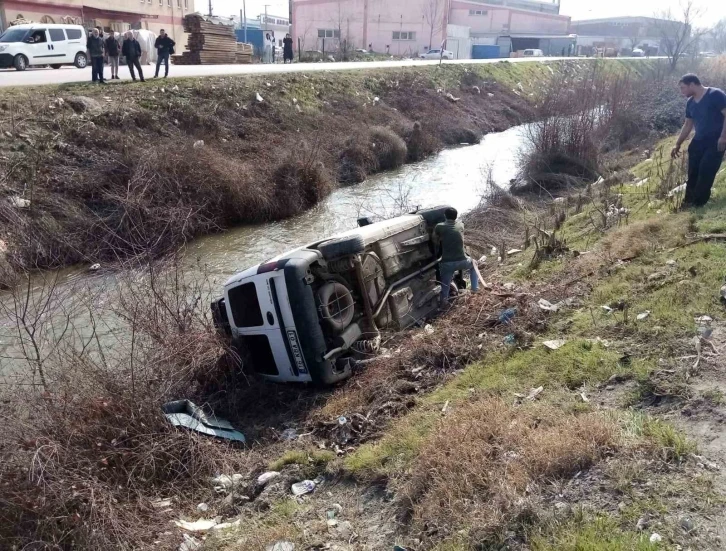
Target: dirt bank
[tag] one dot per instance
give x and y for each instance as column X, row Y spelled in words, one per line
column 91, row 174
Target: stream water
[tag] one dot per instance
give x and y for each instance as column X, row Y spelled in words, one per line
column 454, row 177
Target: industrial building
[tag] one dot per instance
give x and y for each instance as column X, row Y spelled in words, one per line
column 619, row 34
column 120, row 15
column 411, row 27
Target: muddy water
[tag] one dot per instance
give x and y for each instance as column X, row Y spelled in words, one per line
column 454, row 177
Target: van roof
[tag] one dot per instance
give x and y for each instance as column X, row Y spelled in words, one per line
column 44, row 26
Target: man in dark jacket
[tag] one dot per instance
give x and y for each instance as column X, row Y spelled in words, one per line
column 95, row 47
column 164, row 47
column 131, row 50
column 112, row 51
column 449, row 238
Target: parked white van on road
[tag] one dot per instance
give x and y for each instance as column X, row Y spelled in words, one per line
column 28, row 45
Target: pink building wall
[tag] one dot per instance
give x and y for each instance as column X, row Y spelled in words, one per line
column 373, row 22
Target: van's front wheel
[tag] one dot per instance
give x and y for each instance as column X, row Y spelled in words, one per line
column 20, row 62
column 56, row 66
column 81, row 60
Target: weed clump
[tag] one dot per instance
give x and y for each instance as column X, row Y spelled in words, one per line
column 369, row 152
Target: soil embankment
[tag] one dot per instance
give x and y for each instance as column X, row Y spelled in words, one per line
column 95, row 174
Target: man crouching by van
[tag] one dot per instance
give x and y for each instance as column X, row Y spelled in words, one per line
column 449, row 240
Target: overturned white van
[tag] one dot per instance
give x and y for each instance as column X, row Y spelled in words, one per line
column 304, row 315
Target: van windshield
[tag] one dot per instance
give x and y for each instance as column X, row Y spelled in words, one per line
column 13, row 35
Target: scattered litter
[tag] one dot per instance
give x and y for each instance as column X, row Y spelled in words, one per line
column 345, row 530
column 508, row 315
column 657, row 276
column 513, row 251
column 304, row 487
column 476, row 89
column 446, row 407
column 183, row 413
column 671, row 262
column 258, row 97
column 451, row 98
column 224, row 483
column 482, row 260
column 641, row 183
column 688, row 525
column 599, row 182
column 429, row 329
column 399, row 548
column 175, row 89
column 704, row 332
column 203, row 507
column 656, row 538
column 677, row 190
column 161, row 504
column 510, row 339
column 607, row 309
column 376, row 99
column 198, row 144
column 94, row 268
column 190, row 543
column 704, row 319
column 18, row 202
column 642, row 524
column 289, row 434
column 334, row 511
column 509, row 286
column 584, row 397
column 201, row 525
column 549, row 307
column 490, row 95
column 281, row 546
column 534, row 393
column 643, row 316
column 555, row 344
column 265, row 478
column 723, row 293
column 705, row 463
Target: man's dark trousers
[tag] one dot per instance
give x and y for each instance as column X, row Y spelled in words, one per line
column 163, row 58
column 135, row 63
column 97, row 69
column 704, row 162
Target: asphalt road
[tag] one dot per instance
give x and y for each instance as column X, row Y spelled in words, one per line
column 35, row 77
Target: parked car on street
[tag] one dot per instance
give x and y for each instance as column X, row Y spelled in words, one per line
column 438, row 53
column 304, row 315
column 36, row 44
column 637, row 52
column 532, row 53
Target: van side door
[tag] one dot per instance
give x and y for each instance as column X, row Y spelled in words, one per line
column 59, row 46
column 39, row 48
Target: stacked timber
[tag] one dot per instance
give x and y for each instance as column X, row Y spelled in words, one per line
column 244, row 53
column 209, row 43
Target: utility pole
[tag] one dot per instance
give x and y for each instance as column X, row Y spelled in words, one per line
column 244, row 19
column 266, row 6
column 210, row 8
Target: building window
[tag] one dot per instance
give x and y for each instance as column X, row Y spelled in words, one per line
column 168, row 3
column 178, row 4
column 404, row 35
column 328, row 33
column 478, row 12
column 186, row 4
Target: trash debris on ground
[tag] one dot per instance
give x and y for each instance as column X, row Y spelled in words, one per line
column 643, row 316
column 704, row 319
column 584, row 397
column 510, row 339
column 289, row 434
column 183, row 413
column 258, row 97
column 676, row 190
column 304, row 487
column 482, row 260
column 345, row 530
column 549, row 307
column 642, row 524
column 224, row 483
column 509, row 286
column 508, row 315
column 281, row 546
column 671, row 262
column 688, row 525
column 198, row 144
column 94, row 268
column 656, row 538
column 161, row 504
column 18, row 202
column 555, row 344
column 190, row 543
column 265, row 478
column 429, row 329
column 201, row 525
column 203, row 507
column 446, row 407
column 534, row 393
column 511, row 252
column 449, row 96
column 704, row 463
column 657, row 276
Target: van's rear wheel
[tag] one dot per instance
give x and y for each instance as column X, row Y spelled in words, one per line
column 56, row 66
column 343, row 246
column 20, row 62
column 81, row 60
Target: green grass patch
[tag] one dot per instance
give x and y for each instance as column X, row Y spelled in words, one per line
column 593, row 534
column 670, row 443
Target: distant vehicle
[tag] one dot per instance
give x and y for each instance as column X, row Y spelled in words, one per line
column 305, row 315
column 708, row 54
column 362, row 51
column 533, row 53
column 29, row 45
column 438, row 53
column 637, row 52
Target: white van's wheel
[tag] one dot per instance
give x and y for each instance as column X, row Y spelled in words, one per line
column 20, row 62
column 56, row 66
column 336, row 305
column 81, row 60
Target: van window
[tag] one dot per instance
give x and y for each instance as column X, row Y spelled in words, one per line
column 245, row 306
column 56, row 35
column 13, row 35
column 74, row 34
column 38, row 37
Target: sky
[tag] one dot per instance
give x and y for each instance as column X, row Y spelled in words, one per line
column 578, row 9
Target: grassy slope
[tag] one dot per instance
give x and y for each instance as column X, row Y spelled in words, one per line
column 600, row 345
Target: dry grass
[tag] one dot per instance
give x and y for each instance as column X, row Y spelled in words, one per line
column 478, row 469
column 642, row 237
column 370, row 151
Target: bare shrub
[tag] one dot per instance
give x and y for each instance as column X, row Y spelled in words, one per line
column 420, row 144
column 301, row 181
column 83, row 456
column 369, row 152
column 485, row 458
column 389, row 147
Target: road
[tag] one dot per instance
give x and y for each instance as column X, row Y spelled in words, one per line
column 35, row 77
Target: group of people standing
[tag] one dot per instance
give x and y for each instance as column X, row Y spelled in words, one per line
column 99, row 48
column 270, row 48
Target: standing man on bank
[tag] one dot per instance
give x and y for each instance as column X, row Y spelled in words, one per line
column 449, row 238
column 95, row 46
column 112, row 51
column 706, row 112
column 164, row 48
column 131, row 50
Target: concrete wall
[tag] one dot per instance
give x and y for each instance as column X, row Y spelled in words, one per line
column 365, row 23
column 118, row 15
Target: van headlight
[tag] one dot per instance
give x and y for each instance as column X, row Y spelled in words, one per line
column 3, row 48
